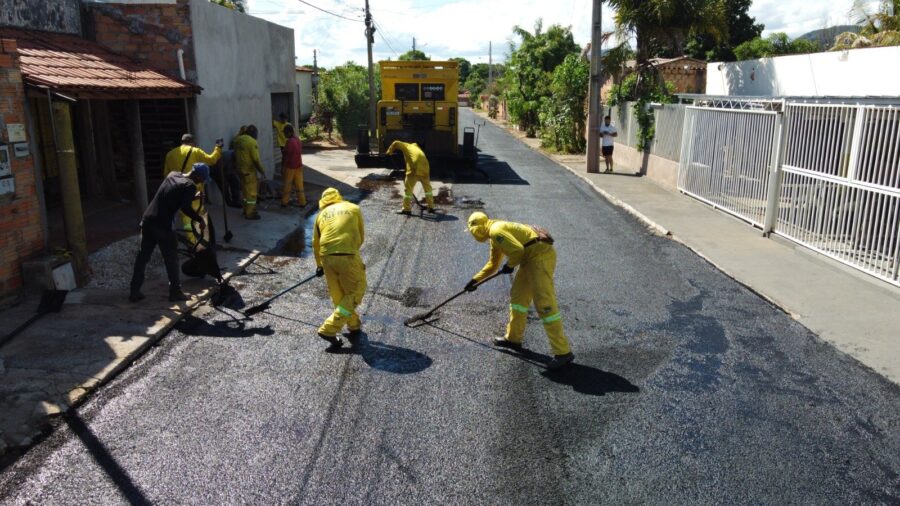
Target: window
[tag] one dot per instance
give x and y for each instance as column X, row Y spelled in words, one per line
column 433, row 92
column 406, row 91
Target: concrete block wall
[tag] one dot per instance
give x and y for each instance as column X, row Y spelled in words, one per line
column 149, row 33
column 21, row 233
column 44, row 15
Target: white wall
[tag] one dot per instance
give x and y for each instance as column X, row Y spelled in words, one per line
column 304, row 88
column 241, row 61
column 852, row 73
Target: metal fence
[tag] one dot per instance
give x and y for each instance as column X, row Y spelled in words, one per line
column 726, row 157
column 623, row 118
column 840, row 186
column 669, row 121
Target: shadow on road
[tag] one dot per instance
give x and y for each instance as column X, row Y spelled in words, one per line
column 105, row 460
column 386, row 357
column 525, row 355
column 192, row 326
column 589, row 380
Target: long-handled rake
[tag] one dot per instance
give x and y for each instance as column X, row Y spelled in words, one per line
column 262, row 306
column 424, row 316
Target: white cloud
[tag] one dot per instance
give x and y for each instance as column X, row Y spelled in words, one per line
column 442, row 28
column 448, row 28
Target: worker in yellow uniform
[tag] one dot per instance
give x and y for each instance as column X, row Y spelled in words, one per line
column 246, row 153
column 417, row 171
column 337, row 236
column 182, row 159
column 530, row 249
column 279, row 125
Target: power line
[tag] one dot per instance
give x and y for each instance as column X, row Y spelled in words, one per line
column 328, row 12
column 380, row 34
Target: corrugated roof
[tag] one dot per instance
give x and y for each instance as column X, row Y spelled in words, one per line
column 72, row 65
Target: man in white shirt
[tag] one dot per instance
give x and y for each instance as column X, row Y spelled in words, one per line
column 608, row 132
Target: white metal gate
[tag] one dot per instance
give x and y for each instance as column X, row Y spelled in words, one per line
column 726, row 158
column 840, row 185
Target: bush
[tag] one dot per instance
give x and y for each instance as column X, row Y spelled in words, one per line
column 344, row 92
column 311, row 132
column 562, row 114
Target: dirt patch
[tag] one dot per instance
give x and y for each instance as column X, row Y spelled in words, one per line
column 444, row 196
column 373, row 183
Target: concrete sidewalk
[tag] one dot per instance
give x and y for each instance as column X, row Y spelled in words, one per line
column 57, row 361
column 858, row 314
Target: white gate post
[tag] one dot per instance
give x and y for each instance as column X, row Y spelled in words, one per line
column 774, row 176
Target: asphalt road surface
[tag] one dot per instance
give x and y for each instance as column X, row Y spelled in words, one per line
column 687, row 387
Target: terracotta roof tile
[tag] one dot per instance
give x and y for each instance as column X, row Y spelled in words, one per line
column 67, row 63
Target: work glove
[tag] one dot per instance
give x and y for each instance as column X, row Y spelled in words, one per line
column 471, row 286
column 220, row 142
column 506, row 269
column 320, row 272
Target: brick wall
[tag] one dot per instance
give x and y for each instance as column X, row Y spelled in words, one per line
column 21, row 236
column 149, row 33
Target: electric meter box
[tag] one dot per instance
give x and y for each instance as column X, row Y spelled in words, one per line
column 4, row 161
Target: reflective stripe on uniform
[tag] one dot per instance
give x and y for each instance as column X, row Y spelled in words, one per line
column 552, row 318
column 343, row 310
column 518, row 308
column 249, row 201
column 408, row 196
column 429, row 194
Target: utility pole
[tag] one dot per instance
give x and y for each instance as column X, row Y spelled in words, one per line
column 315, row 81
column 370, row 39
column 414, row 44
column 594, row 109
column 490, row 63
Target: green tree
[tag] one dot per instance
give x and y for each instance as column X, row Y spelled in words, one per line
column 776, row 44
column 741, row 28
column 344, row 92
column 662, row 28
column 465, row 66
column 529, row 70
column 885, row 18
column 562, row 114
column 413, row 54
column 477, row 80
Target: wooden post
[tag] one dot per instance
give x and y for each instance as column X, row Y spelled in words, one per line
column 88, row 151
column 137, row 156
column 594, row 111
column 100, row 113
column 71, row 193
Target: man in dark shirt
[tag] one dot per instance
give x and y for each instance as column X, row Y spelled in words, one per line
column 176, row 193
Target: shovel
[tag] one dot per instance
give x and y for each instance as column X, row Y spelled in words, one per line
column 424, row 316
column 267, row 303
column 228, row 235
column 51, row 302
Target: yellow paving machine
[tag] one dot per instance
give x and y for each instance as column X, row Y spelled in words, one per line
column 419, row 104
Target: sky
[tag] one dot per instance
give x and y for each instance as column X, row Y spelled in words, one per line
column 452, row 28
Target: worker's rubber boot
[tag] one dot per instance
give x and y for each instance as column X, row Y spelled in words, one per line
column 335, row 341
column 560, row 361
column 176, row 295
column 353, row 335
column 502, row 342
column 404, row 212
column 136, row 296
column 254, row 216
column 430, row 210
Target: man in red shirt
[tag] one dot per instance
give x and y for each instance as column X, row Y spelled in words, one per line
column 292, row 168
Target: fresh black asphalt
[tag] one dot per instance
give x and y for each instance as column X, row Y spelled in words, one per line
column 687, row 388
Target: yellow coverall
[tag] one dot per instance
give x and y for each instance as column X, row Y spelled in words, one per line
column 533, row 281
column 338, row 234
column 417, row 171
column 279, row 132
column 246, row 154
column 292, row 176
column 175, row 160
